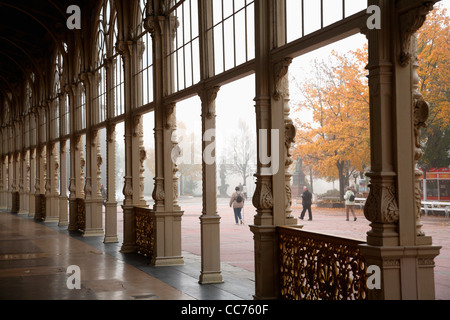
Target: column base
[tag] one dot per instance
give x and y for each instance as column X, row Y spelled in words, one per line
column 167, row 261
column 93, row 233
column 167, row 246
column 424, row 240
column 383, row 234
column 31, row 204
column 94, row 224
column 63, row 212
column 210, row 278
column 111, row 223
column 210, row 249
column 51, row 208
column 128, row 248
column 266, row 262
column 405, row 272
column 111, row 239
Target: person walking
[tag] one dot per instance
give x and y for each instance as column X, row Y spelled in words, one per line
column 306, row 203
column 103, row 192
column 349, row 198
column 237, row 202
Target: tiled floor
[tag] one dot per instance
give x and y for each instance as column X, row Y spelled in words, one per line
column 34, row 257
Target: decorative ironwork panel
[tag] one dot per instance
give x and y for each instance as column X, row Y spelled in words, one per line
column 40, row 207
column 37, row 205
column 81, row 214
column 15, row 202
column 145, row 231
column 43, row 206
column 320, row 267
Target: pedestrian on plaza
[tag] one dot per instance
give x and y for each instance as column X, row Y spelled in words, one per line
column 306, row 203
column 103, row 192
column 237, row 202
column 349, row 198
column 244, row 190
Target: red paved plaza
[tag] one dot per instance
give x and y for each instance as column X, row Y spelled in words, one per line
column 237, row 240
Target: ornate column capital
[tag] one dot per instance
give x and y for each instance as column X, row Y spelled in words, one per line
column 281, row 83
column 111, row 132
column 208, row 96
column 154, row 25
column 410, row 20
column 170, row 115
column 70, row 89
column 124, row 48
column 86, row 78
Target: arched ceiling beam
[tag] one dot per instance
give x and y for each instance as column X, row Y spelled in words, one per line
column 13, row 60
column 24, row 11
column 38, row 70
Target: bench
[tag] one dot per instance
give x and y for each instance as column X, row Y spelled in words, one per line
column 360, row 202
column 436, row 206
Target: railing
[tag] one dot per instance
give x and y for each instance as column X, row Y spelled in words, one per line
column 439, row 206
column 15, row 202
column 40, row 207
column 145, row 231
column 317, row 266
column 81, row 214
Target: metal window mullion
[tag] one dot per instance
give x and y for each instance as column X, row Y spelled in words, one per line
column 223, row 38
column 212, row 44
column 246, row 31
column 321, row 14
column 303, row 18
column 190, row 33
column 343, row 9
column 285, row 22
column 234, row 33
column 183, row 47
column 175, row 7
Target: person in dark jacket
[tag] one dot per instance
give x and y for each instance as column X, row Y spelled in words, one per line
column 237, row 205
column 306, row 202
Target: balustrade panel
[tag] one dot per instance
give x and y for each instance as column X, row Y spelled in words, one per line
column 145, row 231
column 317, row 266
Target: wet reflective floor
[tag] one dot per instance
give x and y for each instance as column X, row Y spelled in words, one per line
column 34, row 261
column 35, row 257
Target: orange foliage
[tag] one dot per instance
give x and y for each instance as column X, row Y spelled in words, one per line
column 433, row 47
column 337, row 140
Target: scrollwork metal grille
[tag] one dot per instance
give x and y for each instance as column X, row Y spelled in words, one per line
column 145, row 231
column 320, row 267
column 81, row 214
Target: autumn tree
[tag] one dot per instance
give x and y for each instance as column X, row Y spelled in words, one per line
column 433, row 47
column 242, row 151
column 335, row 140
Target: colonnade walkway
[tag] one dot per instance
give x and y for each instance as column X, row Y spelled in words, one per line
column 34, row 257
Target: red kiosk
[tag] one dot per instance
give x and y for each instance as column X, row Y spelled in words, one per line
column 437, row 185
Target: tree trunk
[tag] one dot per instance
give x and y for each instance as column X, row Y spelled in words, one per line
column 340, row 166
